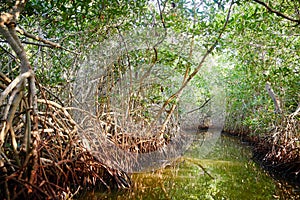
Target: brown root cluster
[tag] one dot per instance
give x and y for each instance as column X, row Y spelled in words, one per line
column 280, row 152
column 48, row 161
column 146, row 143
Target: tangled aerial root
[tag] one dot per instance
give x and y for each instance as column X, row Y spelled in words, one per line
column 280, row 152
column 62, row 164
column 49, row 162
column 45, row 154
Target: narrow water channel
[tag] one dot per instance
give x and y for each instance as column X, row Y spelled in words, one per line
column 226, row 172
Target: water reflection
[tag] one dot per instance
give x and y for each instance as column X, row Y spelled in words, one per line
column 226, row 172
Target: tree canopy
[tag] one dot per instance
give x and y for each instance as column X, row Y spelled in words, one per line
column 128, row 71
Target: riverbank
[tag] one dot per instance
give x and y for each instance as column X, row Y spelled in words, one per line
column 225, row 172
column 286, row 172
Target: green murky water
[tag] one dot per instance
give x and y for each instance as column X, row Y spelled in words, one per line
column 226, row 172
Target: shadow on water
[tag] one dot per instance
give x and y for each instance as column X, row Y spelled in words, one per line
column 226, row 172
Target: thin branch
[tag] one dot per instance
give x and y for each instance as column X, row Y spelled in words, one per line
column 27, row 42
column 296, row 112
column 37, row 44
column 51, row 93
column 199, row 107
column 37, row 38
column 10, row 54
column 280, row 14
column 160, row 14
column 163, row 24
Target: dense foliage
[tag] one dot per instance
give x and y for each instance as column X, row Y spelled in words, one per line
column 138, row 68
column 263, row 83
column 264, row 48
